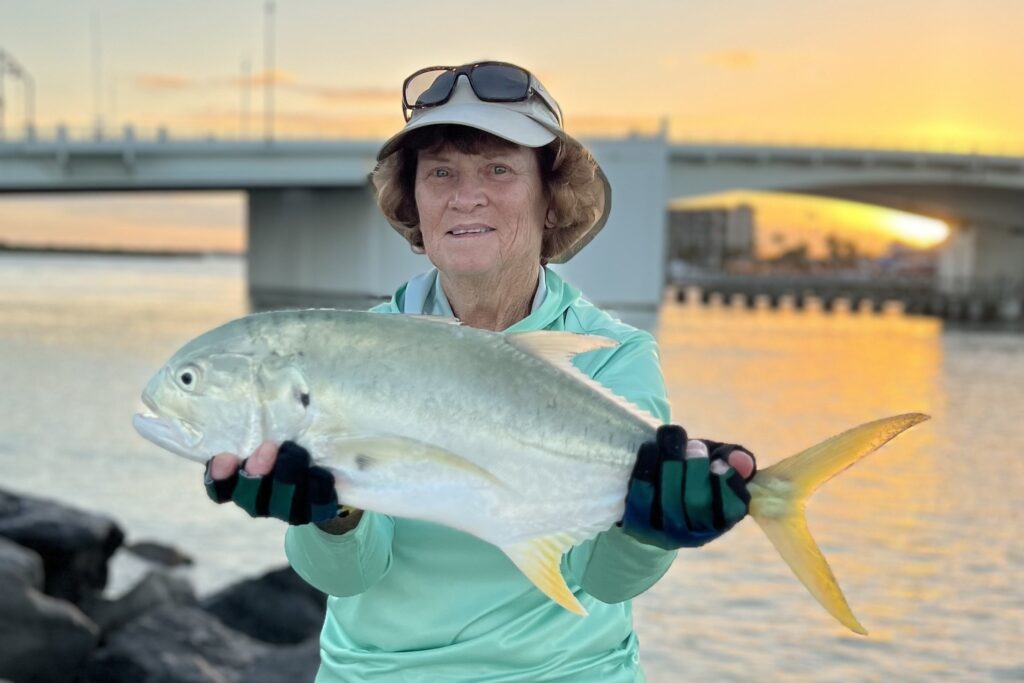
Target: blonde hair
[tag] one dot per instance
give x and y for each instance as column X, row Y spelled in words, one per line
column 568, row 174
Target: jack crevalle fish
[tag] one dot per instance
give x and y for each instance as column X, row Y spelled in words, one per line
column 497, row 435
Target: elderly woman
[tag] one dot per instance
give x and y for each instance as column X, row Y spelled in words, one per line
column 484, row 180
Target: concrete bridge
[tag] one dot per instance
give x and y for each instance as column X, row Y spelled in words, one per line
column 315, row 235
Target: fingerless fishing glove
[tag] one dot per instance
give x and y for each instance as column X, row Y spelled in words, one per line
column 683, row 500
column 294, row 491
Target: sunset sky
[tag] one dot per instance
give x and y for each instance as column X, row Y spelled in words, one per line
column 923, row 74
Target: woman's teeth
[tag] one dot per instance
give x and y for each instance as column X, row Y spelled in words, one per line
column 471, row 231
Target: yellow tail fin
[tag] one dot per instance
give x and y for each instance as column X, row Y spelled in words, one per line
column 779, row 493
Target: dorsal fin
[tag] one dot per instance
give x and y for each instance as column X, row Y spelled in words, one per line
column 559, row 348
column 447, row 319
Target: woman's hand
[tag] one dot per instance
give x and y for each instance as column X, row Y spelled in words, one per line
column 685, row 493
column 274, row 481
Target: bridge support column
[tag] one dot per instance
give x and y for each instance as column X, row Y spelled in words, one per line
column 982, row 256
column 624, row 267
column 323, row 247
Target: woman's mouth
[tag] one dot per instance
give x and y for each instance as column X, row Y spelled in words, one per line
column 470, row 231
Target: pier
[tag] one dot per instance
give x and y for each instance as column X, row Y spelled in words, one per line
column 994, row 300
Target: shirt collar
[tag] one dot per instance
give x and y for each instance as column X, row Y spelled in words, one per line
column 424, row 295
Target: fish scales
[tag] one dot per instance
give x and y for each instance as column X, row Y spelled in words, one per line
column 496, row 435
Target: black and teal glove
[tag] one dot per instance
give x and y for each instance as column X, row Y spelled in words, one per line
column 680, row 500
column 293, row 491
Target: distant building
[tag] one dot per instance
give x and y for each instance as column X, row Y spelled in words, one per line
column 904, row 261
column 711, row 238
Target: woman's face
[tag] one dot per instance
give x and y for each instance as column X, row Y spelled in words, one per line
column 480, row 214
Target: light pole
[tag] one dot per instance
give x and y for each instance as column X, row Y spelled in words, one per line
column 9, row 66
column 3, row 69
column 268, row 71
column 97, row 74
column 243, row 110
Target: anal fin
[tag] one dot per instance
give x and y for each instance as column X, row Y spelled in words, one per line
column 540, row 561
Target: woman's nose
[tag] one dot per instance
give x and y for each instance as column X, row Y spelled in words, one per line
column 467, row 194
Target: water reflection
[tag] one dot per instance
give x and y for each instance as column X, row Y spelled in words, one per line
column 922, row 535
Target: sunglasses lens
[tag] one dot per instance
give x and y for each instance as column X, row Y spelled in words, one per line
column 500, row 83
column 429, row 88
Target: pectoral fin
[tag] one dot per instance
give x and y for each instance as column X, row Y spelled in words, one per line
column 364, row 451
column 540, row 560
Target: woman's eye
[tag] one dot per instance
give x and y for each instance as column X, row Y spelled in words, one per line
column 440, row 172
column 500, row 170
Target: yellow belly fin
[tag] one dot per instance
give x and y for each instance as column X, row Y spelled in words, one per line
column 540, row 560
column 780, row 492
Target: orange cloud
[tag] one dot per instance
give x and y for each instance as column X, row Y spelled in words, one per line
column 734, row 60
column 278, row 78
column 260, row 78
column 336, row 95
column 164, row 82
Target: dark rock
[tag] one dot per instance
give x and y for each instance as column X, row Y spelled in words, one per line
column 75, row 545
column 19, row 565
column 278, row 607
column 158, row 553
column 173, row 644
column 155, row 589
column 286, row 664
column 42, row 639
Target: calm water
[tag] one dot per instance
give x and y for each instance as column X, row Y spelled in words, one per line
column 923, row 536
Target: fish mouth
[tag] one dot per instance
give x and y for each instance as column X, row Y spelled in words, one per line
column 174, row 434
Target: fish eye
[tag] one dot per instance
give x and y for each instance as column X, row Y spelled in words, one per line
column 187, row 377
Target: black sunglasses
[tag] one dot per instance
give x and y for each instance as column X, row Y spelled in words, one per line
column 491, row 82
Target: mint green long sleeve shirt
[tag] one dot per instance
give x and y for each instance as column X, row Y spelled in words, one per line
column 414, row 601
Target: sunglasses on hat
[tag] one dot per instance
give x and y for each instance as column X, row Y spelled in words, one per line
column 490, row 81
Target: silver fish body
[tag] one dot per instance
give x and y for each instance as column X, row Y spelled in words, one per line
column 497, row 435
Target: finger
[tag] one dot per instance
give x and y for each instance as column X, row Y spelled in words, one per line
column 323, row 498
column 262, row 459
column 696, row 449
column 647, row 461
column 697, row 494
column 223, row 465
column 671, row 440
column 742, row 463
column 731, row 499
column 221, row 489
column 290, row 498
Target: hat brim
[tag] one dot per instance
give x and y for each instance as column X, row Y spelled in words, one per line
column 510, row 125
column 592, row 231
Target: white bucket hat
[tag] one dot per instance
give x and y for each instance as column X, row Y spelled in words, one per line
column 533, row 122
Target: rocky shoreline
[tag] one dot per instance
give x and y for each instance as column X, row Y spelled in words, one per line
column 56, row 626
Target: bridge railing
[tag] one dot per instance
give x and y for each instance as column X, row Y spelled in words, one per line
column 157, row 133
column 163, row 132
